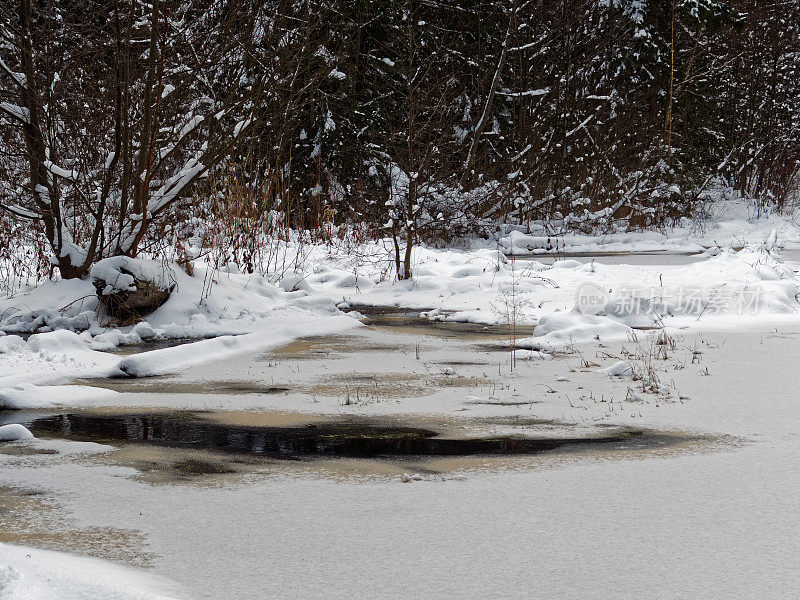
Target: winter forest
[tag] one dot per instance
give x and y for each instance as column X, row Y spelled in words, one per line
column 399, row 299
column 127, row 126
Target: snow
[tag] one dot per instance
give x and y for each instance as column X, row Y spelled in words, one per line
column 28, row 396
column 203, row 305
column 562, row 331
column 572, row 302
column 49, row 358
column 66, row 303
column 19, row 78
column 709, row 518
column 537, row 92
column 31, row 574
column 734, row 225
column 241, row 125
column 76, row 254
column 60, row 171
column 619, row 369
column 21, row 212
column 243, row 313
column 483, row 286
column 18, row 112
column 175, row 184
column 14, row 433
column 120, row 272
column 170, row 360
column 28, row 369
column 56, row 341
column 718, row 520
column 8, row 343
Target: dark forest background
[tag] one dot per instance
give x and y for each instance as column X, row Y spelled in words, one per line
column 417, row 119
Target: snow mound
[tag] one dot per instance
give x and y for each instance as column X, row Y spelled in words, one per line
column 170, row 360
column 120, row 272
column 32, row 574
column 28, row 396
column 45, row 359
column 558, row 332
column 56, row 341
column 13, row 433
column 619, row 369
column 64, row 304
column 9, row 343
column 293, row 282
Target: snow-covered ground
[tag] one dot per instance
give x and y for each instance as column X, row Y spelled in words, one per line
column 30, row 574
column 741, row 277
column 717, row 519
column 570, row 302
column 241, row 314
column 729, row 224
column 705, row 346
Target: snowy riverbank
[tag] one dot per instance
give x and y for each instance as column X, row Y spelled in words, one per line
column 571, row 301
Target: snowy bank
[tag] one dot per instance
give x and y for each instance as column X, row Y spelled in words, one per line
column 30, row 396
column 733, row 223
column 29, row 374
column 724, row 289
column 47, row 359
column 240, row 313
column 14, row 433
column 206, row 304
column 170, row 360
column 564, row 331
column 571, row 301
column 32, row 574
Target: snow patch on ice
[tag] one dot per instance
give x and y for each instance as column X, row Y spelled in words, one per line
column 32, row 574
column 14, row 433
column 28, row 396
column 562, row 331
column 619, row 369
column 170, row 360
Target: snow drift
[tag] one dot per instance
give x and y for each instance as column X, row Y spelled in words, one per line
column 31, row 574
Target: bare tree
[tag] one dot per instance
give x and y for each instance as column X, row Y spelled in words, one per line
column 119, row 107
column 413, row 154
